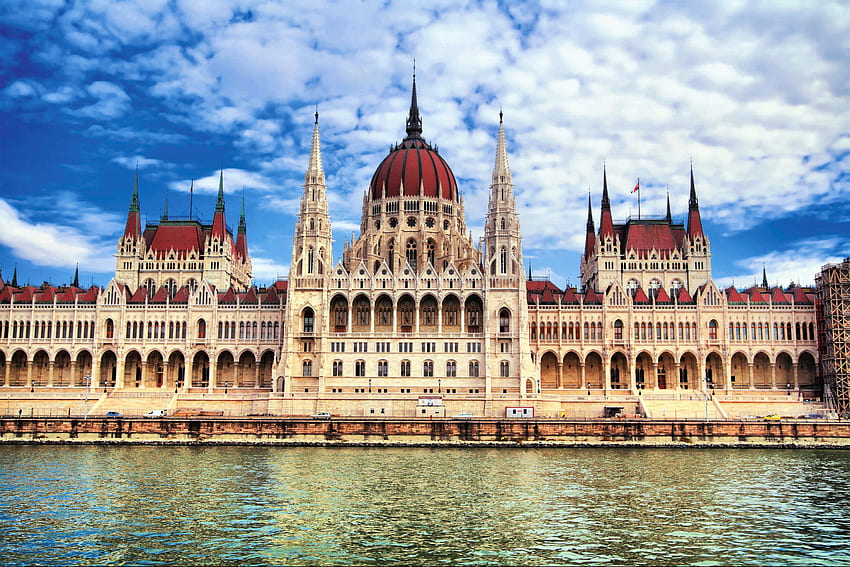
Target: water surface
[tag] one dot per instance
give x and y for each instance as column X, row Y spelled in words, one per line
column 88, row 505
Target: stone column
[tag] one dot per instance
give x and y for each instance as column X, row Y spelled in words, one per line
column 72, row 381
column 187, row 374
column 796, row 374
column 29, row 373
column 559, row 366
column 773, row 375
column 7, row 372
column 633, row 375
column 165, row 376
column 582, row 381
column 213, row 373
column 654, row 375
column 50, row 366
column 606, row 375
column 676, row 370
column 750, row 375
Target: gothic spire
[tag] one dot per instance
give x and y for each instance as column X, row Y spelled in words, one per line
column 14, row 282
column 165, row 209
column 606, row 222
column 315, row 171
column 501, row 171
column 694, row 220
column 242, row 232
column 219, row 204
column 76, row 282
column 414, row 121
column 133, row 228
column 590, row 226
column 669, row 215
column 764, row 276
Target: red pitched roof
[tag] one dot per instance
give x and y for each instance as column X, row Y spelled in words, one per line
column 271, row 297
column 640, row 296
column 281, row 285
column 777, row 296
column 24, row 294
column 646, row 237
column 801, row 297
column 182, row 238
column 227, row 297
column 590, row 296
column 570, row 296
column 46, row 295
column 140, row 295
column 161, row 295
column 732, row 295
column 662, row 296
column 756, row 296
column 182, row 295
column 684, row 296
column 91, row 295
column 250, row 296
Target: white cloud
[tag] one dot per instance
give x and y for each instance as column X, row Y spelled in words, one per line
column 54, row 245
column 140, row 161
column 234, row 181
column 112, row 102
column 267, row 270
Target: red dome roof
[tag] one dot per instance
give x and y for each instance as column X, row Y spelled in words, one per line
column 412, row 163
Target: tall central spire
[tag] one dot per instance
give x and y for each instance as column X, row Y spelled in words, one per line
column 501, row 171
column 414, row 121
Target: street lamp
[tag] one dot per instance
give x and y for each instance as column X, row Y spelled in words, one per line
column 370, row 385
column 226, row 384
column 439, row 385
column 86, row 407
column 707, row 394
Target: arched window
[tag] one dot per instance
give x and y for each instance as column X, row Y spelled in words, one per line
column 430, row 251
column 503, row 260
column 618, row 330
column 505, row 321
column 428, row 368
column 307, row 316
column 202, row 329
column 504, row 369
column 473, row 369
column 451, row 369
column 337, row 368
column 307, row 368
column 405, row 368
column 410, row 253
column 110, row 329
column 383, row 368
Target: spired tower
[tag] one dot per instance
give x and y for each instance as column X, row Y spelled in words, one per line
column 307, row 299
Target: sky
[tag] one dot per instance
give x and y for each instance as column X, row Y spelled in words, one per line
column 754, row 94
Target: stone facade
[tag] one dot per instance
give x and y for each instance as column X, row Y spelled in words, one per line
column 414, row 318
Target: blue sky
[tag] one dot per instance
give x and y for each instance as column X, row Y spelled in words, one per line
column 756, row 94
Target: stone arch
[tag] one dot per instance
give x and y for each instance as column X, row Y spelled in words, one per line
column 247, row 370
column 176, row 370
column 405, row 314
column 688, row 373
column 548, row 371
column 620, row 371
column 18, row 370
column 571, row 371
column 807, row 371
column 200, row 370
column 714, row 370
column 308, row 320
column 108, row 370
column 383, row 313
column 82, row 367
column 473, row 314
column 761, row 371
column 784, row 371
column 665, row 371
column 40, row 368
column 154, row 371
column 133, row 370
column 62, row 368
column 594, row 376
column 225, row 369
column 267, row 363
column 361, row 317
column 339, row 313
column 739, row 371
column 451, row 313
column 428, row 313
column 644, row 371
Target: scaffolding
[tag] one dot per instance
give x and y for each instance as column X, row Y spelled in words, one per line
column 833, row 292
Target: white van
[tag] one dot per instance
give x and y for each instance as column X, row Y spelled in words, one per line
column 156, row 413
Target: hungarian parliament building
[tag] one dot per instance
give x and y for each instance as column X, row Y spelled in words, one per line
column 415, row 319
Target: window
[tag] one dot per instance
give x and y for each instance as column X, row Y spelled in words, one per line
column 618, row 330
column 712, row 330
column 110, row 329
column 473, row 369
column 337, row 368
column 405, row 368
column 428, row 368
column 360, row 368
column 382, row 368
column 504, row 369
column 451, row 369
column 504, row 321
column 202, row 329
column 307, row 368
column 307, row 316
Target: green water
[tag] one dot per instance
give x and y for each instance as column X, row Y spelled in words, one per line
column 359, row 506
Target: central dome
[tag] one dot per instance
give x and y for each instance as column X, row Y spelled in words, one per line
column 410, row 165
column 413, row 165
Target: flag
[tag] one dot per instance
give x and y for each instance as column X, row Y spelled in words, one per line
column 637, row 187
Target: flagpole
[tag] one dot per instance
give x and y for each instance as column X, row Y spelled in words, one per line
column 638, row 192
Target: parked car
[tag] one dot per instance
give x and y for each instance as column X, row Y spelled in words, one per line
column 321, row 415
column 772, row 417
column 464, row 415
column 156, row 413
column 113, row 414
column 813, row 416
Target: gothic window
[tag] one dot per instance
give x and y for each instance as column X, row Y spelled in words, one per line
column 411, row 252
column 337, row 368
column 631, row 286
column 362, row 312
column 360, row 368
column 503, row 260
column 382, row 368
column 430, row 251
column 202, row 329
column 450, row 309
column 307, row 316
column 618, row 330
column 473, row 315
column 429, row 312
column 110, row 329
column 428, row 369
column 310, row 260
column 504, row 321
column 405, row 368
column 406, row 312
column 307, row 368
column 473, row 369
column 712, row 329
column 150, row 286
column 385, row 308
column 504, row 369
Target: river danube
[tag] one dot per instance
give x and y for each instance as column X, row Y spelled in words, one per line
column 99, row 505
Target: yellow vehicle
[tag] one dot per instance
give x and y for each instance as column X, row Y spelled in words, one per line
column 772, row 417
